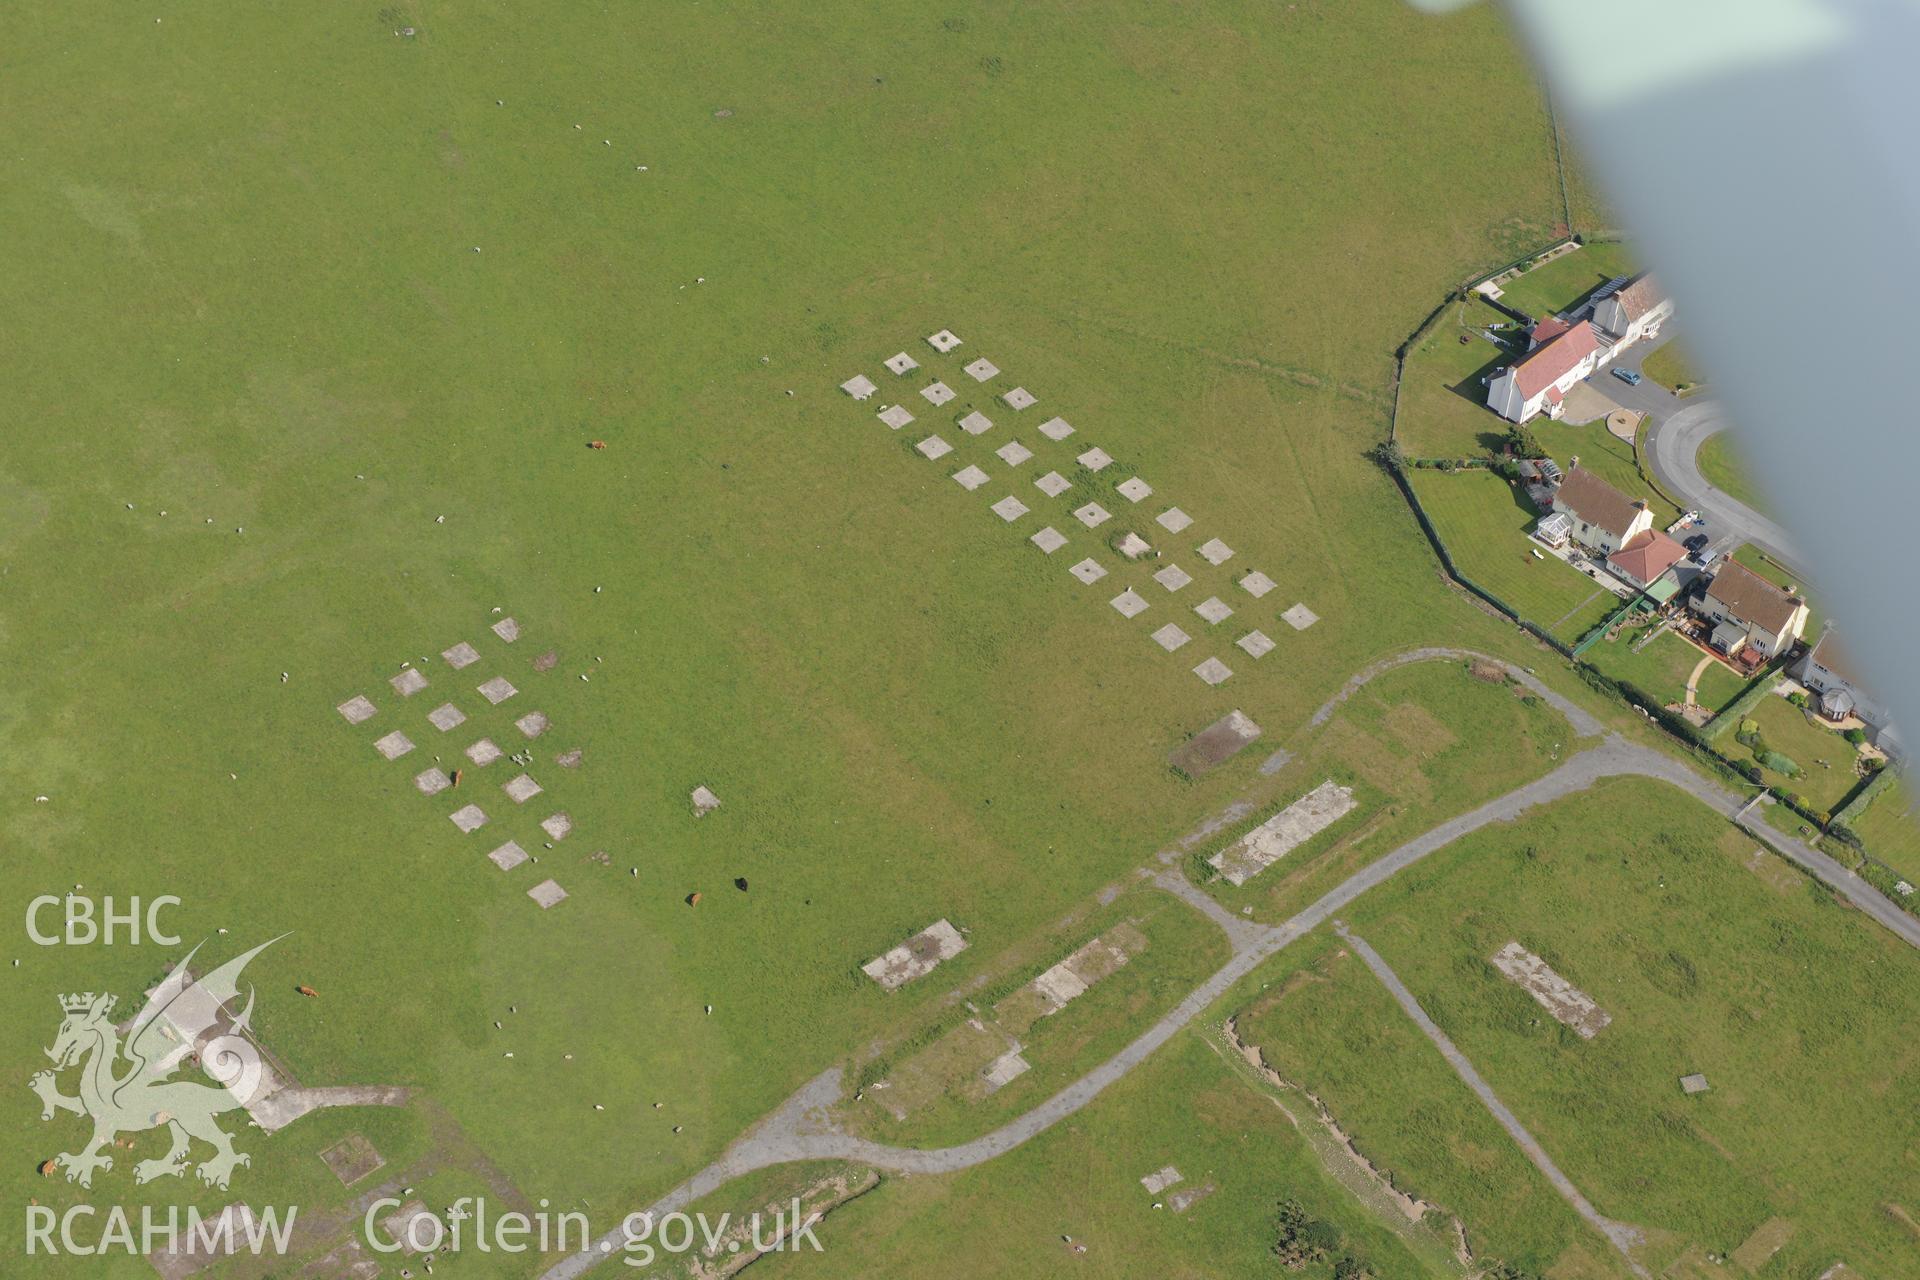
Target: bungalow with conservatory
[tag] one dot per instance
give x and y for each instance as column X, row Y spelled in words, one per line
column 1750, row 615
column 1634, row 311
column 1538, row 381
column 1600, row 517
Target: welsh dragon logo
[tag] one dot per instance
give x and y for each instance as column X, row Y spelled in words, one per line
column 142, row 1096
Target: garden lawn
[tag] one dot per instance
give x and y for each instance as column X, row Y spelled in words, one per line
column 1786, row 729
column 1672, row 368
column 1724, row 468
column 1443, row 408
column 1888, row 830
column 1661, row 668
column 1558, row 285
column 1799, row 1013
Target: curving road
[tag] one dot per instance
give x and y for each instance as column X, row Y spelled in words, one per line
column 1673, row 446
column 802, row 1130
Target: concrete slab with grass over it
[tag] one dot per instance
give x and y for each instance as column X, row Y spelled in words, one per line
column 408, row 1227
column 358, row 709
column 1173, row 519
column 522, row 788
column 446, row 717
column 547, row 894
column 547, row 661
column 970, row 478
column 1569, row 1005
column 1214, row 610
column 1049, row 539
column 507, row 629
column 1216, row 744
column 976, row 423
column 533, row 724
column 1088, row 571
column 859, row 386
column 1284, row 832
column 1019, row 398
column 1009, row 508
column 1172, row 577
column 1056, row 429
column 1134, row 489
column 1093, row 515
column 1256, row 644
column 901, row 364
column 1053, row 484
column 1213, row 671
column 1170, row 637
column 484, row 753
column 508, row 856
column 351, row 1159
column 982, row 370
column 1004, row 1070
column 469, row 818
column 1256, row 584
column 895, row 416
column 431, row 782
column 916, row 957
column 1013, row 453
column 557, row 827
column 460, row 656
column 1160, row 1179
column 937, row 393
column 1129, row 603
column 408, row 683
column 393, row 745
column 1214, row 551
column 497, row 690
column 1299, row 617
column 1132, row 545
column 1095, row 459
column 944, row 341
column 933, row 448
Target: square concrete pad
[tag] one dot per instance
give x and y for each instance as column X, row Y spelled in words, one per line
column 408, row 683
column 1093, row 515
column 1173, row 519
column 1129, row 603
column 547, row 893
column 704, row 801
column 1170, row 637
column 937, row 393
column 1019, row 398
column 1300, row 617
column 1214, row 610
column 895, row 416
column 1133, row 488
column 1695, row 1083
column 1213, row 671
column 1256, row 584
column 394, row 745
column 508, row 856
column 461, row 655
column 970, row 478
column 469, row 818
column 1009, row 508
column 933, row 448
column 446, row 716
column 533, row 724
column 557, row 826
column 1088, row 571
column 484, row 752
column 1013, row 453
column 1256, row 644
column 859, row 386
column 982, row 369
column 522, row 789
column 351, row 1159
column 1133, row 546
column 1056, row 428
column 1049, row 540
column 1173, row 577
column 943, row 341
column 432, row 781
column 1053, row 484
column 507, row 629
column 357, row 709
column 1095, row 459
column 976, row 423
column 498, row 690
column 902, row 363
column 1214, row 551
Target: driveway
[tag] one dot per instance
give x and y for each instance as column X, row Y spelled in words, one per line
column 1673, row 443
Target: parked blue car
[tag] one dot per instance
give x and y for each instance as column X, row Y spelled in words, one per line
column 1629, row 376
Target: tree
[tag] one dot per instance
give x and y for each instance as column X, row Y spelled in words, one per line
column 1521, row 440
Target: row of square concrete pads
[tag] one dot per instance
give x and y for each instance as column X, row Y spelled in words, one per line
column 1010, row 508
column 447, row 717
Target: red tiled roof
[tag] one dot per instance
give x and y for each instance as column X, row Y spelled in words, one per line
column 1547, row 330
column 1547, row 364
column 1649, row 555
column 1554, row 396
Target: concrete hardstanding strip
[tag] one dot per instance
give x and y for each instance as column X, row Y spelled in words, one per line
column 1300, row 617
column 498, row 690
column 859, row 386
column 1173, row 577
column 393, row 745
column 484, row 752
column 1569, row 1005
column 943, row 341
column 522, row 789
column 1170, row 637
column 408, row 683
column 1013, row 453
column 933, row 448
column 1173, row 519
column 1019, row 398
column 937, row 393
column 901, row 364
column 1049, row 540
column 432, row 782
column 1625, row 1238
column 1134, row 489
column 1093, row 515
column 1256, row 584
column 1213, row 671
column 508, row 856
column 533, row 724
column 982, row 369
column 1256, row 643
column 1284, row 832
column 1214, row 551
column 1004, row 1069
column 976, row 423
column 1160, row 1180
column 1218, row 743
column 547, row 893
column 970, row 478
column 1056, row 428
column 1053, row 484
column 507, row 629
column 357, row 709
column 895, row 416
column 460, row 655
column 1129, row 603
column 1095, row 459
column 557, row 827
column 446, row 716
column 916, row 956
column 1214, row 610
column 469, row 818
column 1088, row 571
column 1009, row 508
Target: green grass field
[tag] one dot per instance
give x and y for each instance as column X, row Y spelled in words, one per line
column 1484, row 521
column 1673, row 368
column 289, row 289
column 1708, row 961
column 1559, row 284
column 1889, row 831
column 1721, row 463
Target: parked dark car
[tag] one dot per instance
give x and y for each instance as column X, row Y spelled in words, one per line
column 1697, row 542
column 1629, row 376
